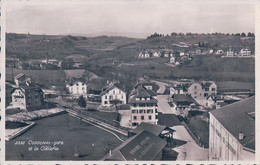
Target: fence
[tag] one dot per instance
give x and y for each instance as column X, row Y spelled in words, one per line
column 195, row 138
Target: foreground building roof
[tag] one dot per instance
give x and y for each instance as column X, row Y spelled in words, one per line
column 143, row 146
column 238, row 118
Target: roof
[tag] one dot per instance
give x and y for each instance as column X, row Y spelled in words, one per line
column 76, row 80
column 142, row 92
column 153, row 128
column 236, row 119
column 123, row 107
column 21, row 77
column 133, row 100
column 143, row 146
column 111, row 86
column 182, row 98
column 24, row 87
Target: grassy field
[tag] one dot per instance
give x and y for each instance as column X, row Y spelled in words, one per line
column 92, row 143
column 200, row 128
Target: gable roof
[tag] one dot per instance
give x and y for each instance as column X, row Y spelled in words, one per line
column 21, row 77
column 111, row 86
column 182, row 98
column 24, row 87
column 76, row 80
column 236, row 119
column 142, row 146
column 153, row 128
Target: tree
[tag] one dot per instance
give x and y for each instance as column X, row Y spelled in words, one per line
column 243, row 35
column 250, row 34
column 82, row 102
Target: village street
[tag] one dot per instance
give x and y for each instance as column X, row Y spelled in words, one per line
column 163, row 105
column 190, row 150
column 161, row 86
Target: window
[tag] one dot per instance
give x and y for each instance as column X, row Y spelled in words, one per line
column 213, row 89
column 195, row 93
column 141, row 105
column 113, row 91
column 134, row 105
column 149, row 111
column 134, row 124
column 105, row 97
column 110, row 97
column 105, row 102
column 77, row 84
column 119, row 92
column 142, row 111
column 206, row 89
column 83, row 88
column 206, row 94
column 122, row 97
column 223, row 140
column 142, row 117
column 135, row 117
column 195, row 87
column 150, row 117
column 134, row 111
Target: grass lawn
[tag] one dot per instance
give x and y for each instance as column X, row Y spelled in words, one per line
column 235, row 85
column 91, row 142
column 200, row 129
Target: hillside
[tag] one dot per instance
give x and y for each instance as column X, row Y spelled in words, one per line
column 27, row 46
column 117, row 57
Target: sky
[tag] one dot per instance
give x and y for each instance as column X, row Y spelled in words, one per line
column 132, row 18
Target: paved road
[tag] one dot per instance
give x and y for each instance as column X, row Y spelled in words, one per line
column 163, row 105
column 189, row 151
column 161, row 86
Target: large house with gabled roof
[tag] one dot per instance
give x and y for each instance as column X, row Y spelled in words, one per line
column 143, row 105
column 77, row 86
column 27, row 96
column 113, row 93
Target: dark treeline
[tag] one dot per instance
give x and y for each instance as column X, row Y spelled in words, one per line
column 249, row 34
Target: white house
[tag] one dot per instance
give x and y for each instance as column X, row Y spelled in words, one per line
column 112, row 94
column 141, row 55
column 232, row 132
column 143, row 105
column 182, row 53
column 230, row 53
column 172, row 60
column 245, row 52
column 156, row 54
column 146, row 55
column 219, row 52
column 77, row 86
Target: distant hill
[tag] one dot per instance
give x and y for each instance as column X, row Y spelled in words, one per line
column 117, row 57
column 27, row 46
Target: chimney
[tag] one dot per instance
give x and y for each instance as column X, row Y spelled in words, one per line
column 241, row 136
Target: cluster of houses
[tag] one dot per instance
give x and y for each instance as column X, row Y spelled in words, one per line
column 139, row 111
column 242, row 53
column 43, row 64
column 190, row 96
column 163, row 53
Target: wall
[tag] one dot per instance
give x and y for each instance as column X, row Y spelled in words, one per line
column 114, row 94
